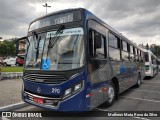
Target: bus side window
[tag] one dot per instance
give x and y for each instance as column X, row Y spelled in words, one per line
column 91, row 43
column 124, row 51
column 114, row 47
column 97, row 45
column 136, row 55
column 131, row 53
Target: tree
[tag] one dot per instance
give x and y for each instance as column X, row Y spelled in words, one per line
column 155, row 50
column 147, row 46
column 7, row 48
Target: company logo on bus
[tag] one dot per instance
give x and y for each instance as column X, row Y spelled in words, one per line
column 38, row 90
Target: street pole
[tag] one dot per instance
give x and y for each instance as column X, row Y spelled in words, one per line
column 46, row 5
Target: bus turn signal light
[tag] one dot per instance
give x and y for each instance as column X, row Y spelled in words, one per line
column 104, row 89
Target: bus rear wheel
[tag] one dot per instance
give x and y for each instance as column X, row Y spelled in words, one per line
column 111, row 95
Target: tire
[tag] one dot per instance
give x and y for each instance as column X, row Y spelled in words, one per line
column 111, row 95
column 138, row 81
column 5, row 64
column 17, row 64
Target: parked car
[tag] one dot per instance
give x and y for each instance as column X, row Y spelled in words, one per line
column 1, row 62
column 9, row 61
column 19, row 61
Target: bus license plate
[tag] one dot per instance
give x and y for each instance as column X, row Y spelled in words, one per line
column 38, row 100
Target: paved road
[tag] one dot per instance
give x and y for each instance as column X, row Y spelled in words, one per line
column 10, row 91
column 145, row 98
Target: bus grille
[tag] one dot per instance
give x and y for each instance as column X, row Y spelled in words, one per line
column 45, row 78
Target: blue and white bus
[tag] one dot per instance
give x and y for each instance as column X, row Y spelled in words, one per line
column 151, row 63
column 76, row 62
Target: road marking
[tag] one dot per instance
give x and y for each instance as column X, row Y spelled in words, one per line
column 4, row 118
column 11, row 106
column 146, row 91
column 151, row 85
column 140, row 99
column 26, row 108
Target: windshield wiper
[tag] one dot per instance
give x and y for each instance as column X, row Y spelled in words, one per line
column 53, row 40
column 37, row 46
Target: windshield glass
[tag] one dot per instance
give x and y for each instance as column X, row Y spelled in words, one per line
column 67, row 53
column 34, row 51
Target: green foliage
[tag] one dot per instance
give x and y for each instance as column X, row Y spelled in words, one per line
column 156, row 50
column 11, row 69
column 7, row 48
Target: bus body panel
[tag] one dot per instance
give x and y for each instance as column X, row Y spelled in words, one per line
column 77, row 102
column 99, row 77
column 126, row 72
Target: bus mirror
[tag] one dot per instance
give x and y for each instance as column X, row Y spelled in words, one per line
column 21, row 46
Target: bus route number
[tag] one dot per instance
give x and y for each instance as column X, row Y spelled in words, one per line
column 55, row 90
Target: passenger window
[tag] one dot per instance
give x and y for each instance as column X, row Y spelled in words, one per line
column 135, row 51
column 125, row 56
column 131, row 53
column 114, row 45
column 131, row 49
column 124, row 44
column 124, row 52
column 114, row 54
column 112, row 40
column 97, row 45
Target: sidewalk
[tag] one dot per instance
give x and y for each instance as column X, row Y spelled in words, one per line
column 10, row 91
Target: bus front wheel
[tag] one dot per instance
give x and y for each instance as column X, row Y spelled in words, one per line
column 111, row 95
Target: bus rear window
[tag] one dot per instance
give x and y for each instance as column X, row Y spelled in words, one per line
column 146, row 57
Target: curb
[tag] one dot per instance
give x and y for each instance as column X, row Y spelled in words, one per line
column 13, row 106
column 10, row 75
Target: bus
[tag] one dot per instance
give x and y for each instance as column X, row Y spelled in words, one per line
column 75, row 62
column 151, row 63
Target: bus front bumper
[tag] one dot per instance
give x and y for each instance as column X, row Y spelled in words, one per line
column 73, row 103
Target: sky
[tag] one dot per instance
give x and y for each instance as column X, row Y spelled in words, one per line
column 138, row 20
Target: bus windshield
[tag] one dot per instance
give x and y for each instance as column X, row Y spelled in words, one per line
column 66, row 54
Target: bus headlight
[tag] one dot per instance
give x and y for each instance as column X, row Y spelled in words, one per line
column 77, row 87
column 72, row 90
column 68, row 92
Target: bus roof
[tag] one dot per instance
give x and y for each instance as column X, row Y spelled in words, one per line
column 89, row 15
column 92, row 16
